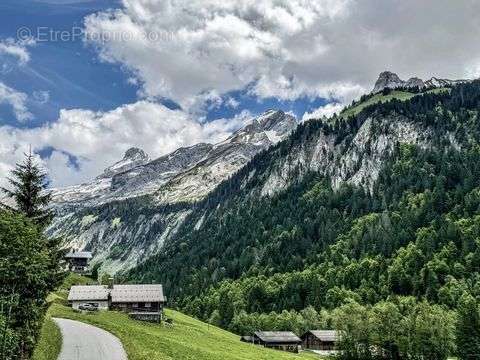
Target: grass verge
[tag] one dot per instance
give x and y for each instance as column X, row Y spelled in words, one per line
column 50, row 342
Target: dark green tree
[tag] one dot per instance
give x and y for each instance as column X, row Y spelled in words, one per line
column 28, row 191
column 29, row 270
column 468, row 329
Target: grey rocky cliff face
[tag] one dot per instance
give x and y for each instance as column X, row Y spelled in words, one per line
column 391, row 80
column 358, row 161
column 133, row 157
column 88, row 214
column 147, row 177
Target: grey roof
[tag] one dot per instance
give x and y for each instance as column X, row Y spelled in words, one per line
column 246, row 338
column 79, row 255
column 137, row 293
column 325, row 335
column 88, row 292
column 119, row 293
column 277, row 336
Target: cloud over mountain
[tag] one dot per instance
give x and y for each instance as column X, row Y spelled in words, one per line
column 285, row 49
column 95, row 139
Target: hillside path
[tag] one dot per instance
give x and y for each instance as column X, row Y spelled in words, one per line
column 86, row 342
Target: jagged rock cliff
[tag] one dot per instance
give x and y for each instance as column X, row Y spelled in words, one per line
column 283, row 210
column 136, row 206
column 127, row 213
column 391, row 80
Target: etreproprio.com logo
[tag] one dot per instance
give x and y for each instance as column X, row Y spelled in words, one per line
column 76, row 33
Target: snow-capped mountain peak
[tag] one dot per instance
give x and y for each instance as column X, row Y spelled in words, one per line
column 133, row 157
column 268, row 128
column 136, row 174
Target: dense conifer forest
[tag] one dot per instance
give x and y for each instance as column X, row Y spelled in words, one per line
column 406, row 251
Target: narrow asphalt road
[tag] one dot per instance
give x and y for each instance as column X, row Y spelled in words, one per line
column 86, row 342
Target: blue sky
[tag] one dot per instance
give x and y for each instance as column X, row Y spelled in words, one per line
column 69, row 71
column 73, row 75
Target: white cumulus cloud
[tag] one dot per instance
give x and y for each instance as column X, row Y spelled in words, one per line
column 17, row 49
column 184, row 49
column 327, row 110
column 98, row 139
column 17, row 100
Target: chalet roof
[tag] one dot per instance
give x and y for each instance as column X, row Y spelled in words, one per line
column 79, row 255
column 88, row 292
column 119, row 293
column 324, row 335
column 278, row 337
column 137, row 293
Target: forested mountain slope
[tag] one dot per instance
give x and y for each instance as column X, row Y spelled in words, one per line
column 380, row 204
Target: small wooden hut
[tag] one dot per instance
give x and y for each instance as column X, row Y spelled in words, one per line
column 78, row 261
column 280, row 340
column 320, row 340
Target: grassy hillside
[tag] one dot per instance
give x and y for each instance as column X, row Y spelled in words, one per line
column 187, row 339
column 380, row 98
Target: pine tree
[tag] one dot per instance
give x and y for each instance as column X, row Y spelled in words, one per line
column 468, row 329
column 28, row 190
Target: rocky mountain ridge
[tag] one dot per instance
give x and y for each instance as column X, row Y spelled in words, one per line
column 87, row 213
column 279, row 212
column 391, row 80
column 133, row 214
column 204, row 165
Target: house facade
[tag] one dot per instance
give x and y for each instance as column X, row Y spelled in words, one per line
column 280, row 340
column 94, row 294
column 137, row 298
column 78, row 261
column 144, row 302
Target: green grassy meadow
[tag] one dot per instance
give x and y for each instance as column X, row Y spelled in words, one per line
column 395, row 94
column 188, row 338
column 380, row 98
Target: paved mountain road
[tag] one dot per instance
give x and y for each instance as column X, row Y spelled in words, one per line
column 86, row 342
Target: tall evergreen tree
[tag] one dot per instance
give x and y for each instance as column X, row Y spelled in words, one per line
column 468, row 329
column 28, row 190
column 30, row 269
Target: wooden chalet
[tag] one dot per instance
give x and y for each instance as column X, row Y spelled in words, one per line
column 280, row 340
column 320, row 340
column 78, row 261
column 91, row 294
column 141, row 302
